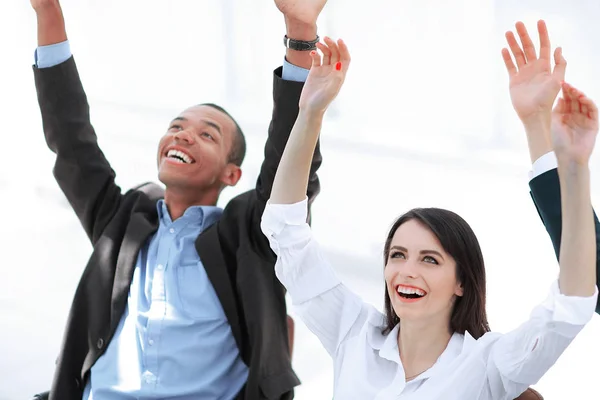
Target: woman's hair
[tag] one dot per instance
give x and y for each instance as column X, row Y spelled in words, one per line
column 458, row 239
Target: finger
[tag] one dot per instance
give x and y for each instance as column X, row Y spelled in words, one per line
column 344, row 52
column 567, row 97
column 516, row 49
column 584, row 108
column 335, row 52
column 508, row 62
column 592, row 111
column 560, row 65
column 561, row 106
column 326, row 53
column 544, row 40
column 528, row 46
column 589, row 107
column 316, row 59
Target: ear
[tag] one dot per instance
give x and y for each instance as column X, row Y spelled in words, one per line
column 231, row 175
column 459, row 290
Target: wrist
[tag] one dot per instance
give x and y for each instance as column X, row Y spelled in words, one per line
column 538, row 137
column 569, row 167
column 300, row 30
column 310, row 116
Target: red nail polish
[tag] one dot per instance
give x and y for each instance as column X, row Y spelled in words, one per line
column 312, row 53
column 338, row 66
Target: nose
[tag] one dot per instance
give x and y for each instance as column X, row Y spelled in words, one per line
column 184, row 136
column 409, row 269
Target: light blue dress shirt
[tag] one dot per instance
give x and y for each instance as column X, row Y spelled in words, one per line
column 173, row 341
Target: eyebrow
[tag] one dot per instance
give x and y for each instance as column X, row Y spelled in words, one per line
column 209, row 123
column 403, row 249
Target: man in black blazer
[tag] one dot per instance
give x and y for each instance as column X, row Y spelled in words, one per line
column 179, row 299
column 534, row 85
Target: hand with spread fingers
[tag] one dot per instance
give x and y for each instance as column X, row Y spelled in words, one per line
column 574, row 126
column 533, row 83
column 327, row 74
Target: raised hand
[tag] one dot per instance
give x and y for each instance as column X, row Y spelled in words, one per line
column 301, row 11
column 326, row 76
column 533, row 83
column 574, row 126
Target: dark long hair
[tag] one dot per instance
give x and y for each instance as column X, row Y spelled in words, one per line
column 458, row 239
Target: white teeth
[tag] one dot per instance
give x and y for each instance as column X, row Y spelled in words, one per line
column 179, row 155
column 406, row 290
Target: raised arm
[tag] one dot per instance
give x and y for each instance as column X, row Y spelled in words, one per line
column 322, row 86
column 534, row 85
column 521, row 357
column 325, row 305
column 81, row 170
column 301, row 24
column 574, row 130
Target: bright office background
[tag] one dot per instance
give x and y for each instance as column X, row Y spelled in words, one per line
column 423, row 120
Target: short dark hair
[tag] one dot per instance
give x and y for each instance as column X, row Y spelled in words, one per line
column 238, row 145
column 458, row 239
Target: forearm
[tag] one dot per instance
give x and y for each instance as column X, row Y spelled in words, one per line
column 538, row 137
column 50, row 24
column 578, row 241
column 291, row 179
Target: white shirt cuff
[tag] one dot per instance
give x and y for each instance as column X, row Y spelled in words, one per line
column 569, row 312
column 543, row 164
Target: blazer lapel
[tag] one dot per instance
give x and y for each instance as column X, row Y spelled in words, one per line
column 208, row 247
column 136, row 234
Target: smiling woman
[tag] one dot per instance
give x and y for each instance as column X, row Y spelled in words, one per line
column 433, row 341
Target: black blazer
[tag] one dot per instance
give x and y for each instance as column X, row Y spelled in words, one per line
column 545, row 192
column 234, row 252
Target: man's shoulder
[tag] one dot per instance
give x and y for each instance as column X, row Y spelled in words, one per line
column 150, row 189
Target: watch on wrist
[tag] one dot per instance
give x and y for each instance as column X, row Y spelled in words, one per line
column 300, row 45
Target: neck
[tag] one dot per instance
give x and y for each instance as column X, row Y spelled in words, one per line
column 179, row 200
column 421, row 343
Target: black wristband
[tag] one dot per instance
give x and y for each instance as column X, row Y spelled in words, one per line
column 300, row 45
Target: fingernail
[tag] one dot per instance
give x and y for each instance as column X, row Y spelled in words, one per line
column 338, row 66
column 312, row 53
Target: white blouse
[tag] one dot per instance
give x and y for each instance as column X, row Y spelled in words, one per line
column 367, row 363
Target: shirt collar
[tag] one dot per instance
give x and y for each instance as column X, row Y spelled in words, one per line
column 387, row 345
column 199, row 216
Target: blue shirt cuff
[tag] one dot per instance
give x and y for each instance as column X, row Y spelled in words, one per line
column 294, row 73
column 53, row 54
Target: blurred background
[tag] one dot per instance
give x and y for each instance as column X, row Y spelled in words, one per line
column 424, row 120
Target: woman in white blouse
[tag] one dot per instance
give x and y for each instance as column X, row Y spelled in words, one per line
column 433, row 340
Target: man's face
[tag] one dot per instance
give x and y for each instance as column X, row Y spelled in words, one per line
column 193, row 154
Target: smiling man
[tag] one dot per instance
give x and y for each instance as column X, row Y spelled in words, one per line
column 179, row 299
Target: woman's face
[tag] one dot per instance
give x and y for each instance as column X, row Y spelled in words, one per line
column 420, row 276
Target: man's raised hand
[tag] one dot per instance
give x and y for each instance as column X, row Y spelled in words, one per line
column 533, row 83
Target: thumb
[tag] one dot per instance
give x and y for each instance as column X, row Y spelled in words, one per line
column 560, row 65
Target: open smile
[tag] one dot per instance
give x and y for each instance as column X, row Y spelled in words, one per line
column 410, row 294
column 178, row 156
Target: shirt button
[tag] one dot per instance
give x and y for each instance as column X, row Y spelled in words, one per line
column 150, row 342
column 160, row 267
column 100, row 343
column 172, row 230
